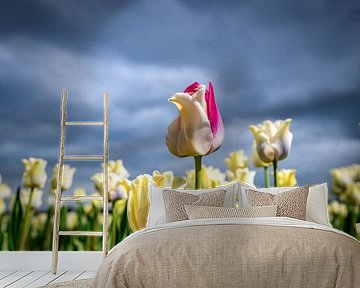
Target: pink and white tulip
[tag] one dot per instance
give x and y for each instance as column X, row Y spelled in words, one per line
column 199, row 129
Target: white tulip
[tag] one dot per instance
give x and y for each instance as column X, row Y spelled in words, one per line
column 273, row 140
column 34, row 175
column 68, row 175
column 36, row 200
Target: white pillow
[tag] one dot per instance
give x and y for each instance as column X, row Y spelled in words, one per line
column 157, row 208
column 241, row 193
column 316, row 206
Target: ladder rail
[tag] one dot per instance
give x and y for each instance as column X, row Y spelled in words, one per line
column 55, row 244
column 105, row 177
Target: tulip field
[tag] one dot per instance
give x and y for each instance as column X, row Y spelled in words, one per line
column 26, row 222
column 26, row 226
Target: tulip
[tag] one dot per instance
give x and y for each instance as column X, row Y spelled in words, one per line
column 34, row 175
column 199, row 129
column 167, row 179
column 118, row 168
column 236, row 159
column 138, row 202
column 243, row 175
column 273, row 141
column 32, row 197
column 337, row 209
column 5, row 191
column 346, row 183
column 211, row 177
column 68, row 175
column 117, row 186
column 72, row 220
column 257, row 162
column 287, row 178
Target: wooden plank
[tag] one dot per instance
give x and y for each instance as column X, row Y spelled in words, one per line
column 44, row 280
column 81, row 233
column 84, row 157
column 82, row 198
column 87, row 275
column 11, row 261
column 13, row 277
column 68, row 276
column 4, row 274
column 28, row 279
column 86, row 123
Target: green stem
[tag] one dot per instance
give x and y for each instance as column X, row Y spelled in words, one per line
column 267, row 177
column 198, row 180
column 25, row 227
column 113, row 226
column 275, row 164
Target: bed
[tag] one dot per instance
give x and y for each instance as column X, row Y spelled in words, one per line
column 234, row 252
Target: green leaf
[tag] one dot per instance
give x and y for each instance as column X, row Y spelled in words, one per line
column 14, row 225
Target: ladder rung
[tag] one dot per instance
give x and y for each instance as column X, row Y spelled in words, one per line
column 81, row 198
column 86, row 123
column 81, row 233
column 84, row 157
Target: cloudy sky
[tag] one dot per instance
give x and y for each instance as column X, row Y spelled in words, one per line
column 267, row 60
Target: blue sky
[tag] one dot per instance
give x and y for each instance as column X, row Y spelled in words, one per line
column 267, row 60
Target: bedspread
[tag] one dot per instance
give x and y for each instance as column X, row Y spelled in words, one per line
column 257, row 252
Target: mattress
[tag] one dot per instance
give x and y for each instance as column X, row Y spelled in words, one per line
column 234, row 252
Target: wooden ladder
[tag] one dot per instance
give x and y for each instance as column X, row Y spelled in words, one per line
column 59, row 198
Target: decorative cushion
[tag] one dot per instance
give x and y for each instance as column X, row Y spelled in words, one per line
column 316, row 206
column 290, row 203
column 201, row 212
column 157, row 208
column 175, row 202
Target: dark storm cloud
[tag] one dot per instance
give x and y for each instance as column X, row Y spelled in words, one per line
column 268, row 60
column 63, row 23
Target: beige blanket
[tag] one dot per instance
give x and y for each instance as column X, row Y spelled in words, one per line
column 233, row 254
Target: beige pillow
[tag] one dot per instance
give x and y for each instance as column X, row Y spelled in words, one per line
column 175, row 201
column 201, row 212
column 291, row 203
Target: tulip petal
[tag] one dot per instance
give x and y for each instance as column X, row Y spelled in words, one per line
column 194, row 135
column 171, row 137
column 192, row 88
column 216, row 123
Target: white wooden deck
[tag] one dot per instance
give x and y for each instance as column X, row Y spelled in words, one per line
column 32, row 279
column 32, row 269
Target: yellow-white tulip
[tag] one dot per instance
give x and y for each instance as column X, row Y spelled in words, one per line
column 337, row 209
column 72, row 220
column 68, row 175
column 118, row 168
column 257, row 162
column 287, row 178
column 138, row 202
column 273, row 140
column 117, row 186
column 236, row 159
column 167, row 179
column 243, row 175
column 36, row 200
column 199, row 129
column 34, row 175
column 211, row 177
column 346, row 183
column 5, row 190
